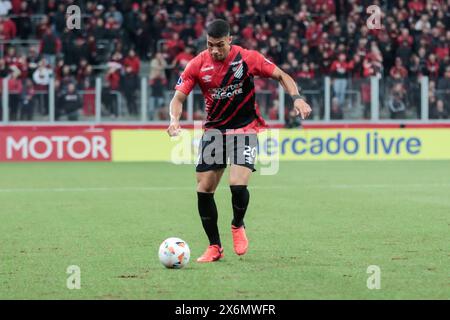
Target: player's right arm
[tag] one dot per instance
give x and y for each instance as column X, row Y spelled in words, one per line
column 184, row 86
column 176, row 108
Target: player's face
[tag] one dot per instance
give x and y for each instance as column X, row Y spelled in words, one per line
column 218, row 47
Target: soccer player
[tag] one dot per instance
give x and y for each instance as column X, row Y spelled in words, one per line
column 225, row 74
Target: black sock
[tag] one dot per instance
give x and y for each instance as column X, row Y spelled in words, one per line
column 240, row 198
column 208, row 213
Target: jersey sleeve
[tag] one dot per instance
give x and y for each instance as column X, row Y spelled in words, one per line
column 260, row 65
column 188, row 78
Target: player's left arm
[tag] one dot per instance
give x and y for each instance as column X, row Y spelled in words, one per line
column 301, row 106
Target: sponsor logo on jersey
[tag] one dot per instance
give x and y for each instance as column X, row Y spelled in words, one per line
column 204, row 69
column 207, row 78
column 226, row 92
column 180, row 81
column 235, row 62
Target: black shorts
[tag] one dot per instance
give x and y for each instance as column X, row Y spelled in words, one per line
column 217, row 150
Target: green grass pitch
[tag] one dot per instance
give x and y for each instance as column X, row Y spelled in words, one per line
column 314, row 229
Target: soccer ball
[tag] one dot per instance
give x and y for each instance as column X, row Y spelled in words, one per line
column 174, row 253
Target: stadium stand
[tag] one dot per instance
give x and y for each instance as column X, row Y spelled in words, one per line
column 124, row 40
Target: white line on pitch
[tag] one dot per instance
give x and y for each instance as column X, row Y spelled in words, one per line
column 176, row 188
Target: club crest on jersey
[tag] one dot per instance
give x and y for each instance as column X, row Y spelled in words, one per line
column 238, row 71
column 180, row 81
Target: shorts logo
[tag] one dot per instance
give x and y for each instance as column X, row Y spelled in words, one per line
column 180, row 81
column 239, row 72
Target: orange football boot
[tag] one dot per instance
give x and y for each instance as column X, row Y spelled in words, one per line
column 240, row 241
column 212, row 253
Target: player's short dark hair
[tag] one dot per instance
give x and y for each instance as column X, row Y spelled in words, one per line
column 218, row 28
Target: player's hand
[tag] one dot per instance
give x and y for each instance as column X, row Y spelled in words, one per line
column 174, row 128
column 302, row 108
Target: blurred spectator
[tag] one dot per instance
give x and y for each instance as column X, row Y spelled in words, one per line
column 50, row 8
column 417, row 6
column 422, row 23
column 41, row 77
column 132, row 18
column 23, row 21
column 304, row 75
column 144, row 40
column 182, row 59
column 396, row 102
column 112, row 86
column 336, row 110
column 81, row 69
column 70, row 104
column 442, row 48
column 199, row 115
column 432, row 88
column 133, row 62
column 4, row 71
column 404, row 52
column 88, row 97
column 443, row 86
column 43, row 26
column 432, row 66
column 50, row 46
column 273, row 111
column 292, row 119
column 15, row 90
column 174, row 45
column 438, row 111
column 366, row 97
column 313, row 33
column 66, row 76
column 99, row 31
column 158, row 67
column 109, row 101
column 341, row 71
column 115, row 14
column 130, row 85
column 27, row 101
column 5, row 7
column 398, row 69
column 157, row 81
column 163, row 113
column 59, row 19
column 416, row 69
column 8, row 29
column 113, row 75
column 11, row 56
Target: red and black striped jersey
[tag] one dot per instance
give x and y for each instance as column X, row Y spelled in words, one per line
column 228, row 87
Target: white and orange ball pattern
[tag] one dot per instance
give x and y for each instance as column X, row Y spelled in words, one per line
column 174, row 253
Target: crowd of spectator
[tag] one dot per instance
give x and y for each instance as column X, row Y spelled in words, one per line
column 309, row 39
